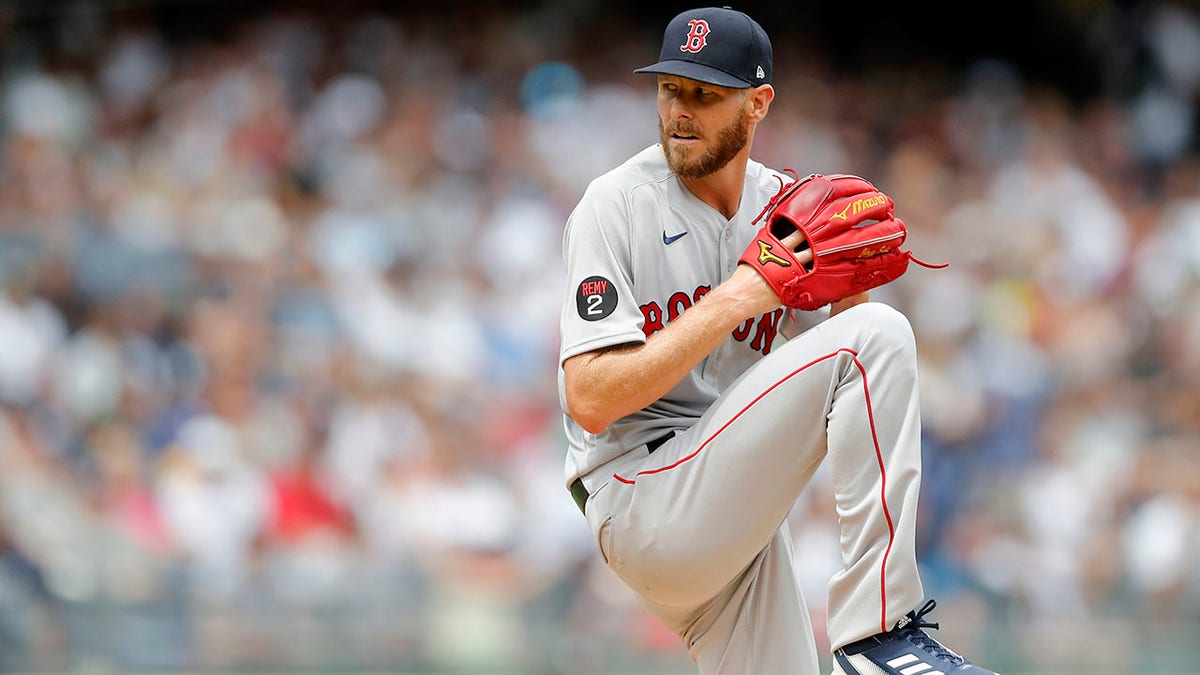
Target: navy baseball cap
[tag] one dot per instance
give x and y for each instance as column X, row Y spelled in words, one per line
column 717, row 45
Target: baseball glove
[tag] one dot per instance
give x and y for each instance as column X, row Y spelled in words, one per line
column 850, row 228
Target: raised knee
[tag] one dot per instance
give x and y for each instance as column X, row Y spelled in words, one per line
column 886, row 324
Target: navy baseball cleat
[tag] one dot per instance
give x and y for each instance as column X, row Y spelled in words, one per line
column 903, row 650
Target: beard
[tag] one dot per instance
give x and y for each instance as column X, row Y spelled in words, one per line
column 730, row 141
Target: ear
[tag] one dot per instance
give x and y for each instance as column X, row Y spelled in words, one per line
column 758, row 101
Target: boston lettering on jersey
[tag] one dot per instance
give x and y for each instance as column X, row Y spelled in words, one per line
column 759, row 330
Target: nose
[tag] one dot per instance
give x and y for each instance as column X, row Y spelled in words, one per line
column 679, row 110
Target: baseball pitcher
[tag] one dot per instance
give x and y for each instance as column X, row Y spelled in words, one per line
column 697, row 410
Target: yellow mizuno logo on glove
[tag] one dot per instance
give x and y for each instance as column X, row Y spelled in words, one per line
column 858, row 206
column 765, row 256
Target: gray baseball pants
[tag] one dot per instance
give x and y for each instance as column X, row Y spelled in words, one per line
column 698, row 528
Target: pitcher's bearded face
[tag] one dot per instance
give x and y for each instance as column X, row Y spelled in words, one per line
column 693, row 154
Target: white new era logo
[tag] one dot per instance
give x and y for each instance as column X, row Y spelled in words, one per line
column 760, row 73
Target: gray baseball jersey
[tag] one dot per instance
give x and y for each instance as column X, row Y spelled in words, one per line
column 697, row 527
column 641, row 249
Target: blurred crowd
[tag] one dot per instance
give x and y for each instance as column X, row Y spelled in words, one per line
column 279, row 328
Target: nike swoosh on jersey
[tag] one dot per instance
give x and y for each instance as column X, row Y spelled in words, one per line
column 672, row 239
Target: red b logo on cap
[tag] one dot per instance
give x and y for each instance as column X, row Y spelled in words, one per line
column 696, row 37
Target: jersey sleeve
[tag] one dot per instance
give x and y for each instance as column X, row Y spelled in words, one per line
column 600, row 309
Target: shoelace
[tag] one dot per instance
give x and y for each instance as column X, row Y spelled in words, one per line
column 912, row 627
